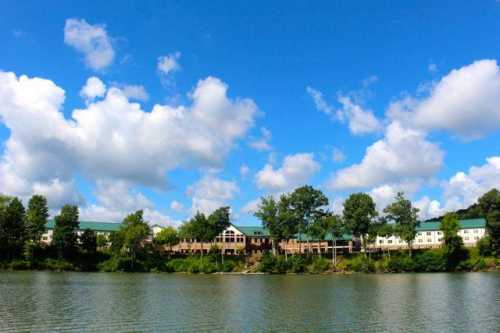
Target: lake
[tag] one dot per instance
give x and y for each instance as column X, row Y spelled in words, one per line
column 93, row 302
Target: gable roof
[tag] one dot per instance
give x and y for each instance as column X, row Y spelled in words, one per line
column 252, row 230
column 464, row 224
column 92, row 225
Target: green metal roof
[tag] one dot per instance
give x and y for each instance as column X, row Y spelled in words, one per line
column 92, row 225
column 464, row 224
column 328, row 237
column 253, row 230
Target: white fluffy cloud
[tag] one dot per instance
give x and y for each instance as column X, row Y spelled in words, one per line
column 262, row 143
column 466, row 102
column 136, row 92
column 360, row 120
column 112, row 138
column 296, row 171
column 403, row 155
column 116, row 199
column 92, row 40
column 210, row 193
column 169, row 63
column 464, row 188
column 92, row 89
column 176, row 206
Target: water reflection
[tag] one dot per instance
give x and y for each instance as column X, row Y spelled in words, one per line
column 95, row 302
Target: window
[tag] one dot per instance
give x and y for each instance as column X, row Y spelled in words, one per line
column 420, row 240
column 389, row 241
column 381, row 241
column 429, row 240
column 466, row 231
column 439, row 233
column 476, row 231
column 476, row 238
column 428, row 233
column 44, row 238
column 440, row 239
column 466, row 238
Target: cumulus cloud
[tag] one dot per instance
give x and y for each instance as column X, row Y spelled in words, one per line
column 117, row 199
column 296, row 171
column 92, row 89
column 91, row 40
column 251, row 206
column 360, row 119
column 262, row 143
column 465, row 102
column 112, row 138
column 210, row 193
column 403, row 155
column 136, row 92
column 169, row 63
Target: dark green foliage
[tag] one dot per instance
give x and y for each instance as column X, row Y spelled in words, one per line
column 405, row 218
column 401, row 264
column 484, row 246
column 167, row 237
column 297, row 264
column 65, row 227
column 359, row 214
column 490, row 205
column 318, row 265
column 36, row 218
column 361, row 264
column 12, row 219
column 430, row 261
column 453, row 250
column 88, row 241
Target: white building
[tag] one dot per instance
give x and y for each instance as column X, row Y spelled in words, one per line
column 429, row 235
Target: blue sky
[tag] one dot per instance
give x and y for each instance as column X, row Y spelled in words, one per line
column 250, row 99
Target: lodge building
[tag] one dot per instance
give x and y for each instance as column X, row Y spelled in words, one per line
column 255, row 240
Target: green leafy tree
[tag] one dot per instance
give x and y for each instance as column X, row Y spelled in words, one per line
column 219, row 221
column 490, row 206
column 359, row 214
column 308, row 205
column 454, row 251
column 186, row 232
column 65, row 231
column 405, row 217
column 133, row 232
column 269, row 216
column 102, row 241
column 12, row 218
column 36, row 218
column 168, row 236
column 88, row 241
column 200, row 230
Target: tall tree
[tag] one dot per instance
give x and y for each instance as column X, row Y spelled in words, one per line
column 201, row 230
column 219, row 221
column 168, row 236
column 186, row 232
column 336, row 226
column 405, row 216
column 134, row 231
column 268, row 213
column 453, row 244
column 12, row 217
column 88, row 241
column 308, row 205
column 36, row 218
column 490, row 206
column 359, row 214
column 65, row 231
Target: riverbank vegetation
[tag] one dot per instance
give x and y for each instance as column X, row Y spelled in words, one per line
column 300, row 214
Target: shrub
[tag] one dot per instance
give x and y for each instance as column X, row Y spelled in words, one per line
column 382, row 265
column 401, row 264
column 484, row 246
column 58, row 265
column 361, row 264
column 297, row 264
column 281, row 265
column 267, row 263
column 20, row 265
column 318, row 265
column 429, row 261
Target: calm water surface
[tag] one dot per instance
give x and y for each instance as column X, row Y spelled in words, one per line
column 95, row 302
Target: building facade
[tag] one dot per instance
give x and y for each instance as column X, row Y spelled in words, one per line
column 429, row 235
column 101, row 228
